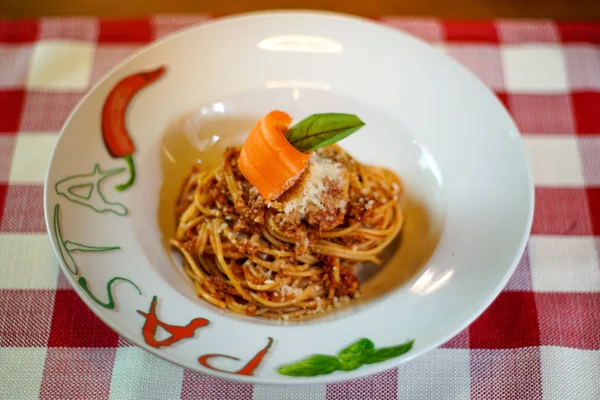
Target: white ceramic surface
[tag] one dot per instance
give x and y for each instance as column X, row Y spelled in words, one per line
column 443, row 131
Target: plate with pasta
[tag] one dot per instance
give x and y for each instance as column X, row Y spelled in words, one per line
column 289, row 198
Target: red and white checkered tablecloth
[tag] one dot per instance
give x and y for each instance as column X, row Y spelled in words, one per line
column 539, row 339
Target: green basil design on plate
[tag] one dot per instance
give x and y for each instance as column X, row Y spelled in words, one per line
column 320, row 130
column 350, row 358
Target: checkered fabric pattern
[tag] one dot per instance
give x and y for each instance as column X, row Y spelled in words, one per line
column 539, row 339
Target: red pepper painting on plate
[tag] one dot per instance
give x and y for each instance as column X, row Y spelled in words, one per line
column 116, row 136
column 247, row 369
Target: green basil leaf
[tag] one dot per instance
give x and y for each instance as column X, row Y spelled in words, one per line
column 320, row 130
column 319, row 364
column 385, row 353
column 350, row 365
column 357, row 350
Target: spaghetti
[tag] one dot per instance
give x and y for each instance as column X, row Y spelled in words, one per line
column 290, row 257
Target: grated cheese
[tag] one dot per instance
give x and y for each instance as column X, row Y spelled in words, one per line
column 287, row 289
column 322, row 306
column 222, row 227
column 340, row 301
column 319, row 305
column 319, row 169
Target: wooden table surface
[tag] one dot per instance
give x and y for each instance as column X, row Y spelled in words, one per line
column 459, row 9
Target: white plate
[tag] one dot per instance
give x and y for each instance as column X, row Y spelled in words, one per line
column 469, row 202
